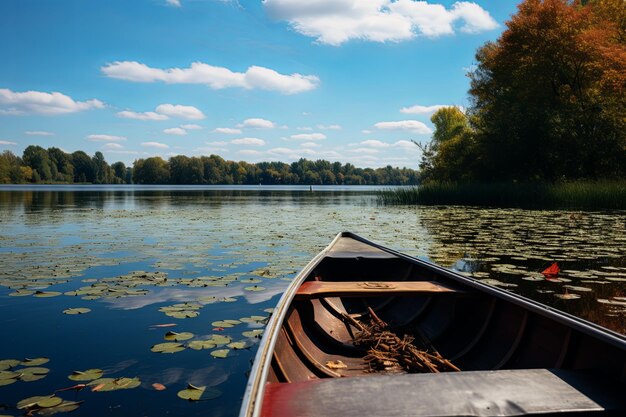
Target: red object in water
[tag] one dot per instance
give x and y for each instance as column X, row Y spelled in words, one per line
column 551, row 270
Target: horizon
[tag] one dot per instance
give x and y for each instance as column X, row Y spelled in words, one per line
column 249, row 81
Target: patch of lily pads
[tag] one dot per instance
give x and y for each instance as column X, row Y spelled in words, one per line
column 27, row 370
column 198, row 393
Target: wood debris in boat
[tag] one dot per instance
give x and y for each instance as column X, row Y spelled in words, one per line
column 387, row 352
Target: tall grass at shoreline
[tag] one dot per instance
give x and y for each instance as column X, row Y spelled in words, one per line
column 580, row 194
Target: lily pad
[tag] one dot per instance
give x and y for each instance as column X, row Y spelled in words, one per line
column 244, row 344
column 45, row 294
column 201, row 344
column 220, row 353
column 225, row 323
column 567, row 296
column 193, row 393
column 39, row 402
column 33, row 374
column 254, row 288
column 114, row 384
column 177, row 337
column 253, row 333
column 64, row 407
column 77, row 310
column 169, row 347
column 34, row 361
column 8, row 364
column 88, row 375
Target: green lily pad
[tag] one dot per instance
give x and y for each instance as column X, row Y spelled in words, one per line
column 225, row 323
column 78, row 310
column 254, row 288
column 185, row 314
column 228, row 299
column 45, row 294
column 88, row 375
column 64, row 407
column 201, row 344
column 193, row 393
column 177, row 337
column 21, row 293
column 114, row 384
column 33, row 374
column 243, row 344
column 8, row 375
column 254, row 319
column 39, row 402
column 34, row 361
column 220, row 353
column 8, row 364
column 220, row 340
column 169, row 347
column 253, row 333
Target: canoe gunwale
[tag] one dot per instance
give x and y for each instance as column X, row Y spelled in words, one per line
column 262, row 360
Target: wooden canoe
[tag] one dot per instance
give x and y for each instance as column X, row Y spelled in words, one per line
column 516, row 356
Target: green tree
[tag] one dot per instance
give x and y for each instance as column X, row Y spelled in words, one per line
column 151, row 171
column 84, row 170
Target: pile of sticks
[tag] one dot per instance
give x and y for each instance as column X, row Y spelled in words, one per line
column 387, row 352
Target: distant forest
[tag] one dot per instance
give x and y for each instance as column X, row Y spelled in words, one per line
column 52, row 165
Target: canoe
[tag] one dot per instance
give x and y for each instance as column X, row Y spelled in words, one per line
column 488, row 352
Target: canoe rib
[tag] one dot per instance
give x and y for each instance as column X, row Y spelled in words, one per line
column 321, row 289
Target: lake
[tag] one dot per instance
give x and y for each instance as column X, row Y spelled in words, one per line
column 131, row 289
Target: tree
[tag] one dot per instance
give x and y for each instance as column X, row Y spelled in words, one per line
column 549, row 95
column 39, row 161
column 84, row 170
column 151, row 171
column 119, row 170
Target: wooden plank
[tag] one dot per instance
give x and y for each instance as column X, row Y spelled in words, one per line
column 477, row 393
column 320, row 289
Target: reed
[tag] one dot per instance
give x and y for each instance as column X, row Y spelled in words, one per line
column 578, row 194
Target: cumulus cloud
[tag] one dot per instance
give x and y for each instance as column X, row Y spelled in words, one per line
column 366, row 132
column 111, row 147
column 308, row 136
column 105, row 138
column 310, row 145
column 177, row 131
column 417, row 109
column 37, row 102
column 413, row 126
column 250, row 152
column 364, row 151
column 256, row 123
column 154, row 145
column 6, row 142
column 38, row 133
column 334, row 22
column 191, row 127
column 375, row 143
column 227, row 131
column 248, row 141
column 216, row 78
column 217, row 143
column 177, row 110
column 149, row 115
column 175, row 3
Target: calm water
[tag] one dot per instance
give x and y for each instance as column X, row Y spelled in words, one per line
column 128, row 254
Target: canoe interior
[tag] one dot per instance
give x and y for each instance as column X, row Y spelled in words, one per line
column 476, row 330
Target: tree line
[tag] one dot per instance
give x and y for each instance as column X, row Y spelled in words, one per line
column 39, row 165
column 548, row 100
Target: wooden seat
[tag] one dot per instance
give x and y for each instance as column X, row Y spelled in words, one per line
column 322, row 289
column 478, row 393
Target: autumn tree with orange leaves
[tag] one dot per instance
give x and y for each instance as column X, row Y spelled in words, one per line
column 549, row 96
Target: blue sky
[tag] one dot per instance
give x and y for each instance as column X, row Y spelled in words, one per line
column 342, row 80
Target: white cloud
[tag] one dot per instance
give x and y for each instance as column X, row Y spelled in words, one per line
column 122, row 152
column 149, row 115
column 413, row 126
column 37, row 102
column 6, row 142
column 38, row 133
column 334, row 22
column 227, row 131
column 177, row 131
column 417, row 109
column 308, row 136
column 248, row 141
column 406, row 144
column 310, row 145
column 177, row 110
column 329, row 127
column 106, row 138
column 256, row 123
column 111, row 147
column 217, row 143
column 365, row 151
column 365, row 131
column 375, row 143
column 281, row 151
column 175, row 3
column 155, row 145
column 212, row 76
column 305, row 128
column 191, row 127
